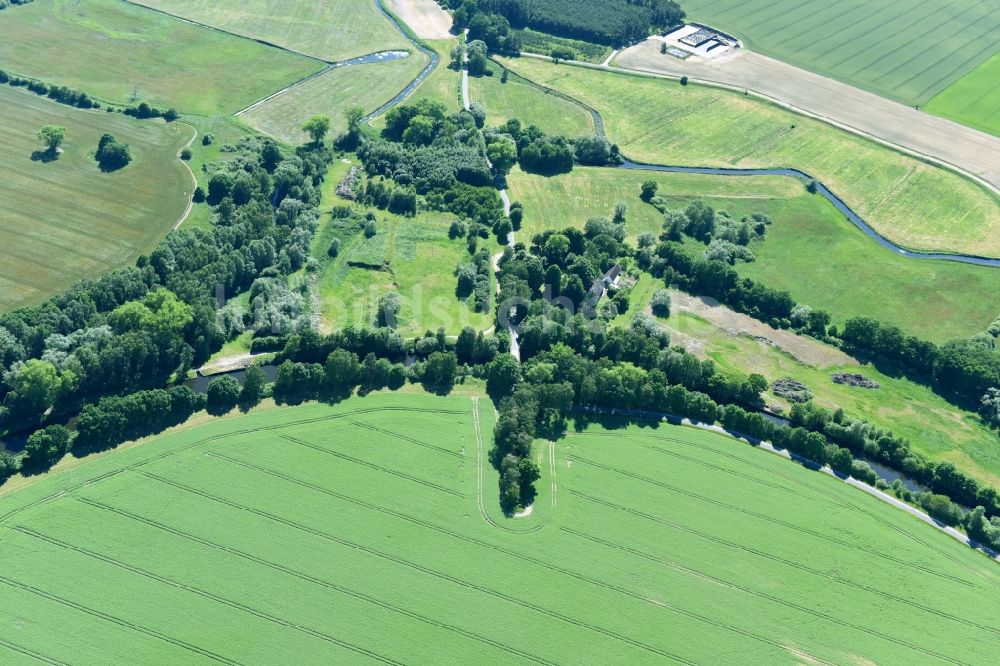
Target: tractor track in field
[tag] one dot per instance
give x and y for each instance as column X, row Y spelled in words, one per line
column 486, row 545
column 741, row 547
column 204, row 594
column 246, row 431
column 370, row 465
column 32, row 653
column 152, row 633
column 311, row 579
column 434, row 573
column 830, row 497
column 801, row 530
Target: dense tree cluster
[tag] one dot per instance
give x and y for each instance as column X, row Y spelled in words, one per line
column 137, row 328
column 112, row 155
column 615, row 22
column 474, row 280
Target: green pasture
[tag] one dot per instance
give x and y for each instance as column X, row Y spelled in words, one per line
column 122, row 53
column 358, row 532
column 917, row 205
column 974, row 99
column 330, row 94
column 532, row 106
column 331, row 30
column 64, row 220
column 412, row 257
column 811, row 250
column 907, row 50
column 443, row 84
column 935, row 427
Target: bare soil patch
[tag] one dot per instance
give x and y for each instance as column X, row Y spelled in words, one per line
column 425, row 17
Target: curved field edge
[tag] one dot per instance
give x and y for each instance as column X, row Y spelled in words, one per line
column 65, row 220
column 913, row 203
column 340, row 516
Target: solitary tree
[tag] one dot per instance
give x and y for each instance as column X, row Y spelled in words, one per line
column 354, row 115
column 52, row 136
column 317, row 127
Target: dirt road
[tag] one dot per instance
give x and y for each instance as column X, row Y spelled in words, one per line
column 425, row 17
column 963, row 148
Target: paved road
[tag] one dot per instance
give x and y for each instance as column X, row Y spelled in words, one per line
column 973, row 152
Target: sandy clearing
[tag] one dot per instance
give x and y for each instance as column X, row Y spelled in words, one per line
column 940, row 140
column 806, row 350
column 425, row 17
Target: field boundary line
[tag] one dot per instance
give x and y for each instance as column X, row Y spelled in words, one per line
column 115, row 620
column 309, row 578
column 911, row 152
column 426, row 570
column 203, row 593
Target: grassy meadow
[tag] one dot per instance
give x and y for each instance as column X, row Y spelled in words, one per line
column 906, row 50
column 338, row 534
column 532, row 106
column 125, row 54
column 443, row 84
column 331, row 30
column 917, row 205
column 332, row 93
column 811, row 250
column 974, row 99
column 64, row 220
column 410, row 256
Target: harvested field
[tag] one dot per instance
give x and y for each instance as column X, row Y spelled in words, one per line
column 330, row 30
column 907, row 50
column 660, row 121
column 126, row 54
column 65, row 220
column 333, row 534
column 425, row 17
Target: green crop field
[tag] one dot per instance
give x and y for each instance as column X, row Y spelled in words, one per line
column 332, row 30
column 908, row 50
column 124, row 54
column 366, row 532
column 412, row 257
column 974, row 99
column 917, row 205
column 849, row 274
column 64, row 220
column 332, row 93
column 531, row 105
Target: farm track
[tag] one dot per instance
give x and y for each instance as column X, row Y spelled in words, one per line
column 204, row 594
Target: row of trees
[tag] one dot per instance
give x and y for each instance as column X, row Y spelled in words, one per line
column 614, row 22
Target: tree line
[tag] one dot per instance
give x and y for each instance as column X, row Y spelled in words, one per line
column 612, row 22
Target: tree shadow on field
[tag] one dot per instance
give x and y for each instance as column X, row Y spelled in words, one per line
column 44, row 156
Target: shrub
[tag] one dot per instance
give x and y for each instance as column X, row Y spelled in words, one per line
column 186, row 154
column 661, row 303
